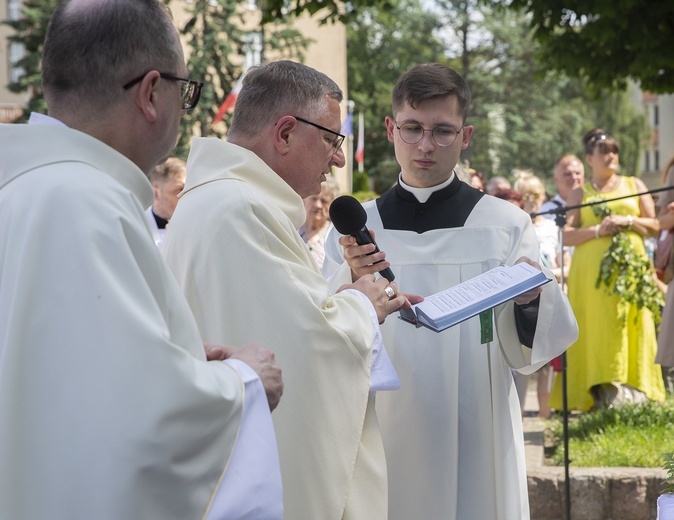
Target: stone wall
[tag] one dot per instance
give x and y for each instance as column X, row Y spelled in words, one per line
column 596, row 493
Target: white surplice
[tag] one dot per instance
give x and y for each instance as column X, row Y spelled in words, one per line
column 453, row 433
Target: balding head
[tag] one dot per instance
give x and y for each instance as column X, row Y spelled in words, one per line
column 93, row 47
column 568, row 174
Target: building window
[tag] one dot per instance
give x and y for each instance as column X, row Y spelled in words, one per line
column 647, row 165
column 15, row 54
column 13, row 10
column 656, row 160
column 656, row 116
column 252, row 49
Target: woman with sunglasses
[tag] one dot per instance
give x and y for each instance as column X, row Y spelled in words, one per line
column 613, row 360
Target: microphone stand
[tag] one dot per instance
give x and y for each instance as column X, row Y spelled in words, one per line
column 560, row 221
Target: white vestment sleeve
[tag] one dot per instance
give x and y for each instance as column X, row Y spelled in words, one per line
column 251, row 486
column 383, row 375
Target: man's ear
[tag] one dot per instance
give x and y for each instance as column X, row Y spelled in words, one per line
column 147, row 95
column 467, row 133
column 283, row 134
column 390, row 124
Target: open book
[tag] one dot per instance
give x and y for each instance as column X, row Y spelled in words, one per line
column 467, row 299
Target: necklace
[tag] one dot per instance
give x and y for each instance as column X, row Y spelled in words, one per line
column 605, row 185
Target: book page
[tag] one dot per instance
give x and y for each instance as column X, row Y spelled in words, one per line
column 477, row 289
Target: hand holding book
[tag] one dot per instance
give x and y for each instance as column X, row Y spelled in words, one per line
column 467, row 299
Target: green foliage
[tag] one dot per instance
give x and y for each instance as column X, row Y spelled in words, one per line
column 364, row 196
column 606, row 43
column 329, row 10
column 360, row 181
column 523, row 118
column 633, row 435
column 381, row 46
column 626, row 273
column 216, row 44
column 619, row 117
column 669, row 467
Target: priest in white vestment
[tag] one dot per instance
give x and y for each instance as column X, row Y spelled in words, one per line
column 109, row 409
column 234, row 247
column 453, row 433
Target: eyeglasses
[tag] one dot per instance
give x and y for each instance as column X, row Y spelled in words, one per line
column 336, row 142
column 532, row 196
column 190, row 90
column 412, row 133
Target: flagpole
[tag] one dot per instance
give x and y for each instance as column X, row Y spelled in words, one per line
column 361, row 141
column 349, row 157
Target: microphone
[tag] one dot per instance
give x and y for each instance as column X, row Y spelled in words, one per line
column 349, row 218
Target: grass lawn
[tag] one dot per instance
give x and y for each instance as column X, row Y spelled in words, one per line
column 628, row 435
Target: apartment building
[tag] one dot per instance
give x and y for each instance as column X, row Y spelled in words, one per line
column 659, row 109
column 10, row 103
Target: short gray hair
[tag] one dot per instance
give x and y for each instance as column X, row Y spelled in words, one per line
column 276, row 89
column 90, row 51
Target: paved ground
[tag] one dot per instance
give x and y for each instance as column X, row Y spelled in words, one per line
column 533, row 428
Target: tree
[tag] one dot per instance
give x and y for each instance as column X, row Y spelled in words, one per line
column 533, row 117
column 330, row 10
column 216, row 46
column 522, row 119
column 29, row 31
column 618, row 116
column 381, row 45
column 526, row 116
column 607, row 43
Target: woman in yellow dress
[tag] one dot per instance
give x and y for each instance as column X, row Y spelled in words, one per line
column 613, row 360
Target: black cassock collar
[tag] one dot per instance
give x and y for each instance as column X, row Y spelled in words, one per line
column 445, row 208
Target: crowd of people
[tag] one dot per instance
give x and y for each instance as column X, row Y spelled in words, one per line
column 121, row 393
column 622, row 354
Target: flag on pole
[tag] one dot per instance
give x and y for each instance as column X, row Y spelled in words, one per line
column 360, row 149
column 347, row 125
column 229, row 102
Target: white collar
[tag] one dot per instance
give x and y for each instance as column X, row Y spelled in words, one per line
column 423, row 194
column 43, row 119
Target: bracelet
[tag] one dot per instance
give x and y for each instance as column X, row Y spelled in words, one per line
column 630, row 221
column 596, row 231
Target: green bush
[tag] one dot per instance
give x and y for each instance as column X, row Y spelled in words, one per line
column 360, row 182
column 364, row 196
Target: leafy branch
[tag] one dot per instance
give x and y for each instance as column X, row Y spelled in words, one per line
column 669, row 467
column 626, row 273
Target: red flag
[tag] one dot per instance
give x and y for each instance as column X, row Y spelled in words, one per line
column 229, row 102
column 360, row 150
